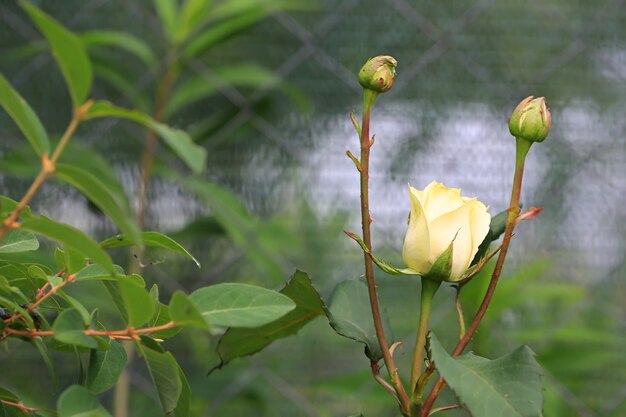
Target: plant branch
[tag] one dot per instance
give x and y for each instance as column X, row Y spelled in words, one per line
column 47, row 169
column 21, row 407
column 522, row 148
column 369, row 97
column 126, row 334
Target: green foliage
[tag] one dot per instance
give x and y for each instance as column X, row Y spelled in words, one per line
column 105, row 367
column 509, row 386
column 77, row 401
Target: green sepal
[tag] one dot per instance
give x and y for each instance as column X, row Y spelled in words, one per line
column 389, row 269
column 442, row 268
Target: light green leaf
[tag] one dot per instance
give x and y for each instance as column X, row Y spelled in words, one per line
column 69, row 237
column 105, row 367
column 24, row 117
column 69, row 328
column 151, row 239
column 168, row 380
column 96, row 272
column 309, row 305
column 192, row 14
column 180, row 142
column 240, row 305
column 8, row 206
column 350, row 316
column 18, row 241
column 139, row 304
column 77, row 401
column 116, row 207
column 121, row 40
column 509, row 386
column 184, row 312
column 167, row 11
column 68, row 51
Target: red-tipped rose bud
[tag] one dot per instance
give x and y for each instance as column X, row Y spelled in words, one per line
column 378, row 73
column 531, row 120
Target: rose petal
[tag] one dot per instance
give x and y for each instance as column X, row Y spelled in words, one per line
column 479, row 222
column 416, row 249
column 438, row 200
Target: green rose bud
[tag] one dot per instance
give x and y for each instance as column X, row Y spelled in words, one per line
column 378, row 73
column 531, row 120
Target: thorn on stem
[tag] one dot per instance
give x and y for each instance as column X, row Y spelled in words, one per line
column 355, row 123
column 354, row 159
column 372, row 140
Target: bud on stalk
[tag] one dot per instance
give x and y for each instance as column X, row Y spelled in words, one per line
column 531, row 120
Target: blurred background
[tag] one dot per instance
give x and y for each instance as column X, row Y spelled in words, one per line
column 276, row 125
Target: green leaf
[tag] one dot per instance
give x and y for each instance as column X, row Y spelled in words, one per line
column 509, row 386
column 192, row 14
column 151, row 239
column 69, row 237
column 167, row 11
column 18, row 241
column 69, row 328
column 309, row 305
column 24, row 117
column 184, row 312
column 68, row 51
column 77, row 401
column 121, row 40
column 168, row 380
column 240, row 305
column 139, row 305
column 350, row 316
column 180, row 142
column 116, row 207
column 8, row 206
column 202, row 86
column 105, row 367
column 96, row 272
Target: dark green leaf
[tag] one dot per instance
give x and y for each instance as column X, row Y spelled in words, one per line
column 173, row 390
column 105, row 367
column 240, row 305
column 152, row 239
column 309, row 305
column 130, row 43
column 184, row 313
column 115, row 206
column 18, row 241
column 509, row 386
column 350, row 316
column 68, row 51
column 115, row 292
column 180, row 142
column 137, row 300
column 77, row 401
column 24, row 117
column 69, row 328
column 69, row 237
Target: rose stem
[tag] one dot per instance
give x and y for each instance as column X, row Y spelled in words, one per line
column 522, row 148
column 369, row 97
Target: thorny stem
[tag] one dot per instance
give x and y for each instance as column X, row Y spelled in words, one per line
column 47, row 169
column 369, row 97
column 522, row 148
column 429, row 288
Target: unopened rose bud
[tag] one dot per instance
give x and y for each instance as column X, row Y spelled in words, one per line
column 531, row 120
column 378, row 73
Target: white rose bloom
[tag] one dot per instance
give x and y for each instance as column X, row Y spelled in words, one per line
column 438, row 214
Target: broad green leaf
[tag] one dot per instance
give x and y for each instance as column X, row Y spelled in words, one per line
column 192, row 14
column 73, row 260
column 18, row 241
column 67, row 50
column 509, row 386
column 69, row 237
column 105, row 367
column 69, row 328
column 116, row 207
column 7, row 206
column 77, row 401
column 151, row 239
column 74, row 303
column 121, row 40
column 96, row 272
column 139, row 304
column 350, row 316
column 184, row 313
column 202, row 86
column 167, row 11
column 115, row 292
column 240, row 305
column 180, row 142
column 173, row 390
column 24, row 117
column 309, row 305
column 162, row 316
